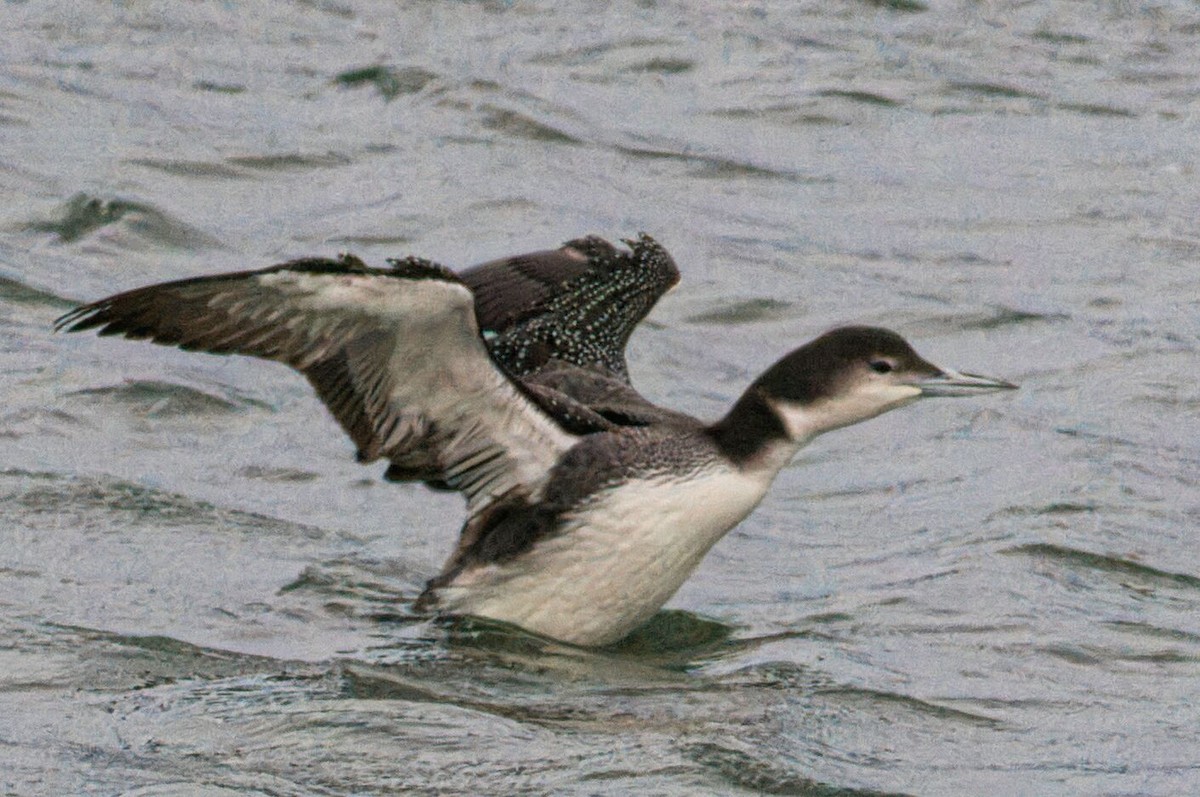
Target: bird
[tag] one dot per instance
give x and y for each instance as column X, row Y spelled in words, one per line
column 579, row 532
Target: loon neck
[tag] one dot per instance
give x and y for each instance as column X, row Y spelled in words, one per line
column 753, row 434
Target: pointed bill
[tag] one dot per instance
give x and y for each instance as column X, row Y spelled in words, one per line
column 949, row 382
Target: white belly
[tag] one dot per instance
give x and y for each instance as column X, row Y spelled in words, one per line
column 617, row 560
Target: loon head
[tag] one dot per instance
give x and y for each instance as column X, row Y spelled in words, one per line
column 847, row 375
column 851, row 374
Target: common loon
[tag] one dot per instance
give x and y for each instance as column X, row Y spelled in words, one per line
column 576, row 535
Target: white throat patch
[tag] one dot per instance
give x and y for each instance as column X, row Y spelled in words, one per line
column 864, row 400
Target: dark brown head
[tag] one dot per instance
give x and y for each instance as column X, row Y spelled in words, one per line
column 845, row 376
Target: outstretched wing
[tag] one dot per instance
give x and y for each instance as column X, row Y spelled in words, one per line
column 395, row 354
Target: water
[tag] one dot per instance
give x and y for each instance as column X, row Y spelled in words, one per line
column 202, row 593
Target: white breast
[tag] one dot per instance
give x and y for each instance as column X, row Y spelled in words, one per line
column 617, row 560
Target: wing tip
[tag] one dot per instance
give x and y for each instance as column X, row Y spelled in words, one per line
column 81, row 318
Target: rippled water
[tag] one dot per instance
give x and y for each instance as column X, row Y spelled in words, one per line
column 201, row 593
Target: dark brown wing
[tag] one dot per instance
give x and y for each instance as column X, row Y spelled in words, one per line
column 576, row 305
column 512, row 289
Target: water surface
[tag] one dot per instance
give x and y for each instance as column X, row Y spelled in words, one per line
column 202, row 593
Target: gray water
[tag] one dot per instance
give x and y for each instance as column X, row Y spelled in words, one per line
column 202, row 593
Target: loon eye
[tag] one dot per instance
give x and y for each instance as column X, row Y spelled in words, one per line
column 881, row 366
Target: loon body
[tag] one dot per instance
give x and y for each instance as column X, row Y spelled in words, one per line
column 580, row 524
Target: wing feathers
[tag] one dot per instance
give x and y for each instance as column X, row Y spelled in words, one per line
column 394, row 354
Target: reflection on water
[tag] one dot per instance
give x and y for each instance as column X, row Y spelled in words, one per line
column 202, row 593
